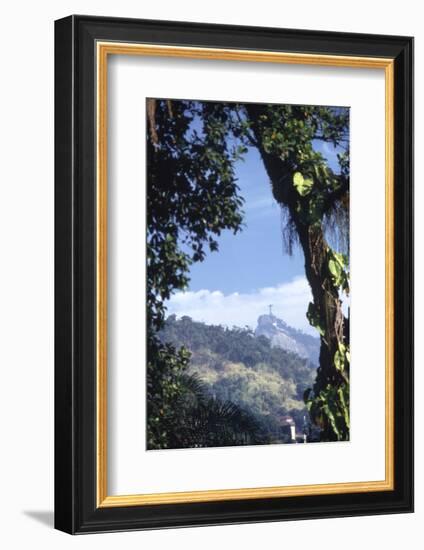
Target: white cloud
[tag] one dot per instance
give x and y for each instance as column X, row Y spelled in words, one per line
column 260, row 203
column 289, row 300
column 260, row 207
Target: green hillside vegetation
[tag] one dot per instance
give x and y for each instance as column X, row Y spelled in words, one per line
column 236, row 367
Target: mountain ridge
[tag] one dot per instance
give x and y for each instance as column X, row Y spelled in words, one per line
column 286, row 337
column 237, row 366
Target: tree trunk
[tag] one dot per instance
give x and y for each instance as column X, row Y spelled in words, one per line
column 326, row 300
column 330, row 380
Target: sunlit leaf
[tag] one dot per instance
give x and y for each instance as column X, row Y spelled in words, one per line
column 303, row 185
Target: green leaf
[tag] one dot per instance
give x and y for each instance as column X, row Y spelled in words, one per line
column 339, row 360
column 341, row 259
column 343, row 405
column 303, row 185
column 335, row 269
column 341, row 356
column 331, row 417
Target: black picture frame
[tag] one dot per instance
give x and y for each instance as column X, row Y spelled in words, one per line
column 76, row 509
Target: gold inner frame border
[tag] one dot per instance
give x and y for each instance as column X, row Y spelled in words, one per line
column 103, row 50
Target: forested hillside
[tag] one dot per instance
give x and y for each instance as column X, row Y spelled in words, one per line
column 235, row 366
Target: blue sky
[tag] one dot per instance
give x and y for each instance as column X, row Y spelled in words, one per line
column 253, row 258
column 251, row 270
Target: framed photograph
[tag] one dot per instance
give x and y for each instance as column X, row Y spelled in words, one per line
column 234, row 255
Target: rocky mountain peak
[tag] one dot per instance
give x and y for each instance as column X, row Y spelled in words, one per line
column 286, row 337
